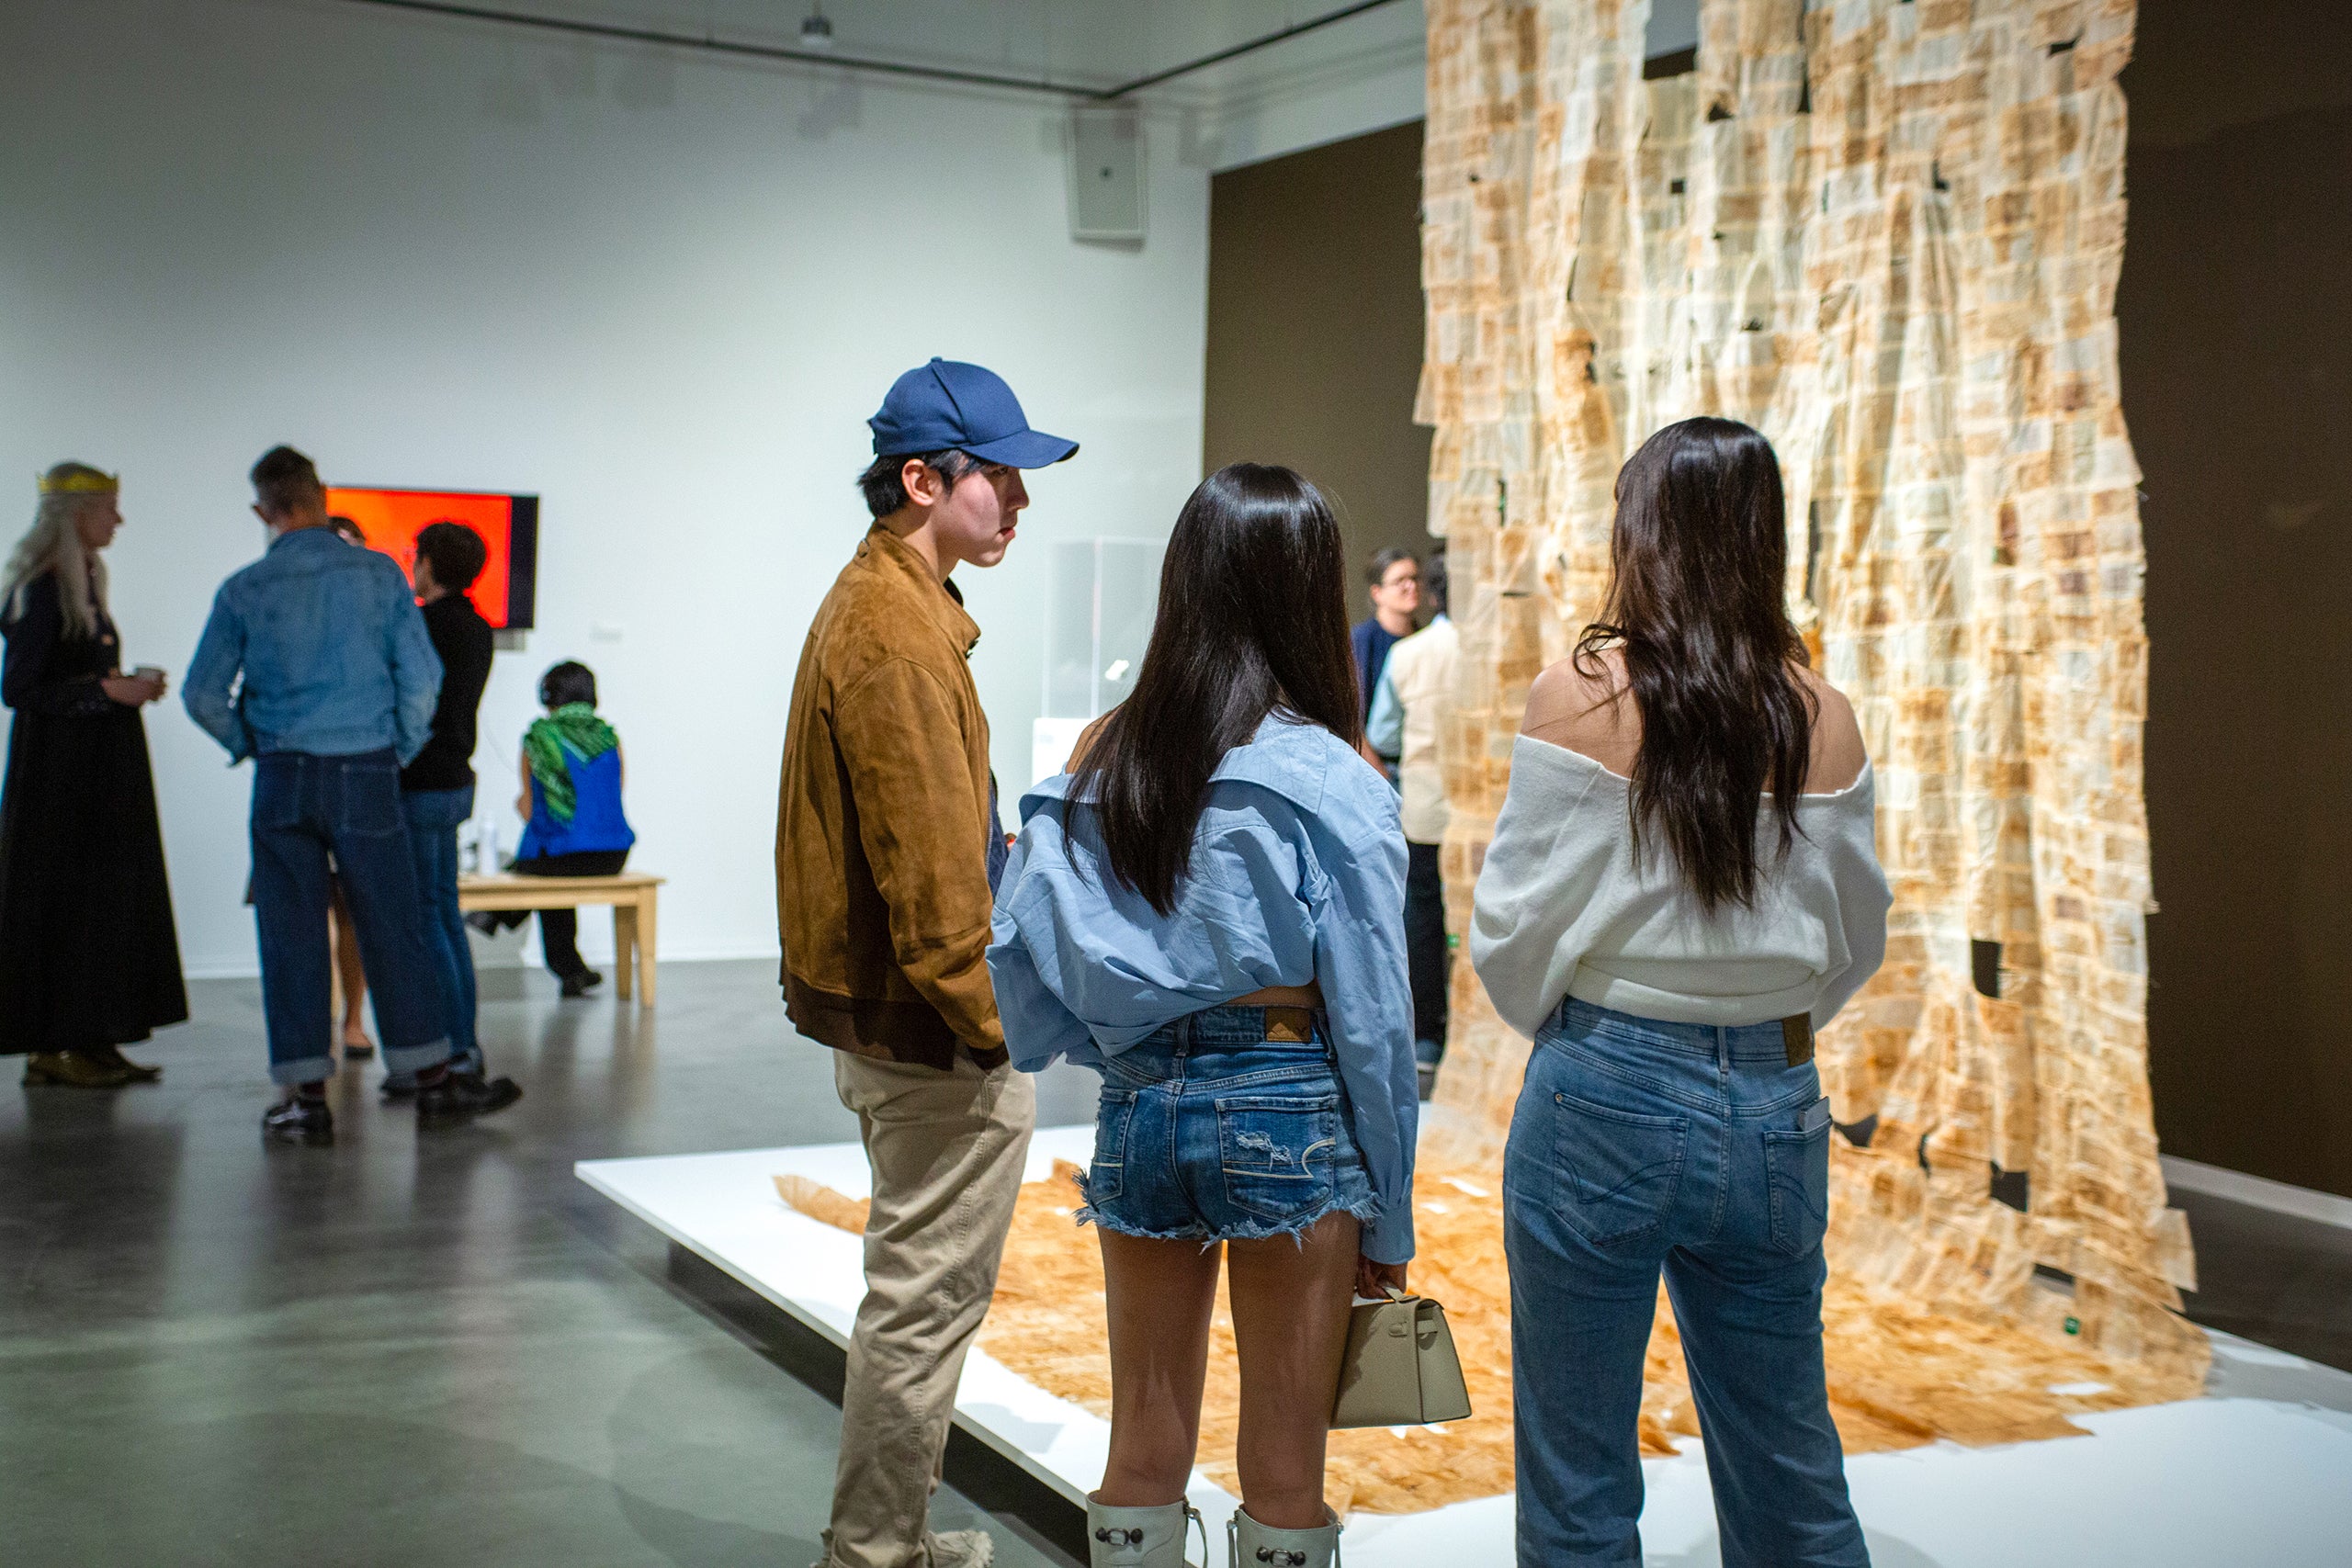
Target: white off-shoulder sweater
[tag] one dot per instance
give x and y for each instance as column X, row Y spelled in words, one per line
column 1565, row 909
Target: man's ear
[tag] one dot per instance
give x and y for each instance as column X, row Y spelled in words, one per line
column 263, row 515
column 923, row 485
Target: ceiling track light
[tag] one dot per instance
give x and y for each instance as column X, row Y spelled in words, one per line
column 816, row 32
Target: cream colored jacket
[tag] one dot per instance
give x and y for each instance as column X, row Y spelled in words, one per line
column 1421, row 670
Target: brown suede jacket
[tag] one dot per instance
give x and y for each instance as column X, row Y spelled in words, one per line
column 881, row 846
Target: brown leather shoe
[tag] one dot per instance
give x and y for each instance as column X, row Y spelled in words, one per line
column 112, row 1056
column 72, row 1070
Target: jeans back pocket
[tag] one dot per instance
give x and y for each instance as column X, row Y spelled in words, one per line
column 1106, row 1173
column 1796, row 1171
column 1617, row 1169
column 1276, row 1151
column 369, row 803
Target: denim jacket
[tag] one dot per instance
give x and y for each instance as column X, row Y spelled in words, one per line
column 1296, row 877
column 334, row 653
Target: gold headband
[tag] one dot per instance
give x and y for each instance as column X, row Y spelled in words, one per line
column 81, row 484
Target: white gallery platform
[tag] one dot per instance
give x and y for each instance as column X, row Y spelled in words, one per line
column 2259, row 1470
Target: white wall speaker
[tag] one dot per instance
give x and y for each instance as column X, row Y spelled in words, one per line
column 1106, row 185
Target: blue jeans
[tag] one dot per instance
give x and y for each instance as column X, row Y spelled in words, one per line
column 1637, row 1146
column 304, row 806
column 1209, row 1131
column 433, row 818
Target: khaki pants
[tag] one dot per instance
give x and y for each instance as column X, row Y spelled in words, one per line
column 946, row 1150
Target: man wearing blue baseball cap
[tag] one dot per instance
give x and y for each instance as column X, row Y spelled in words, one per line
column 888, row 848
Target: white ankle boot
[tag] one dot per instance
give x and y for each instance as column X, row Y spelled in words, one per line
column 1253, row 1545
column 1140, row 1538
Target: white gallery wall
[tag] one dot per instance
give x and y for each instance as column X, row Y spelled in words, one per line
column 660, row 290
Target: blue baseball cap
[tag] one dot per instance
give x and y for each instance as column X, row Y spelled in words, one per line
column 945, row 403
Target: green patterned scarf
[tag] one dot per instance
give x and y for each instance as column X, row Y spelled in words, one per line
column 571, row 731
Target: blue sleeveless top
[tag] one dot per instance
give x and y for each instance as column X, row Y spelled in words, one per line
column 596, row 820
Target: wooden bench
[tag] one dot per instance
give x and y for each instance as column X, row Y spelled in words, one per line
column 632, row 895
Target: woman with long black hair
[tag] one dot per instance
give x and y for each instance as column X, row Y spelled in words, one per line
column 1208, row 908
column 1683, row 885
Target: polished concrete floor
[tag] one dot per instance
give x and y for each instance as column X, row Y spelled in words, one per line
column 442, row 1348
column 407, row 1348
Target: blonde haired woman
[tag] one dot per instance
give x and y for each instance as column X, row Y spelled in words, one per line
column 89, row 961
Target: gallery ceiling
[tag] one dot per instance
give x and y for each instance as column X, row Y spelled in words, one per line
column 1083, row 44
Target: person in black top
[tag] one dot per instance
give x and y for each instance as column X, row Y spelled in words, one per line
column 437, row 788
column 1395, row 579
column 89, row 959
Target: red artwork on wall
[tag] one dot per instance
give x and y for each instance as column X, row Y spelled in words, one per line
column 506, row 593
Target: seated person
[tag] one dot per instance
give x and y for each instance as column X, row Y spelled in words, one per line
column 571, row 805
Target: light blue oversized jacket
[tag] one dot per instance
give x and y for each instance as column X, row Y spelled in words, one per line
column 317, row 647
column 1296, row 877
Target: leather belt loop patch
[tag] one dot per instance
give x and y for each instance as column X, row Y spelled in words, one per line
column 1290, row 1026
column 1796, row 1034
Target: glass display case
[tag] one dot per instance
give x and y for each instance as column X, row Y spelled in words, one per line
column 1100, row 595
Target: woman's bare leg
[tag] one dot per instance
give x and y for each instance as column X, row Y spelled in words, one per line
column 1290, row 1323
column 1161, row 1294
column 352, row 977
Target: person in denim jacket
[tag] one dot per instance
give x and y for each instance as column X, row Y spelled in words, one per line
column 316, row 663
column 1208, row 909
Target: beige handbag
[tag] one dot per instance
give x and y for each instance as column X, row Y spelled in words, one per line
column 1400, row 1367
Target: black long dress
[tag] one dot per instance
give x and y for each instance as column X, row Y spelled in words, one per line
column 88, row 956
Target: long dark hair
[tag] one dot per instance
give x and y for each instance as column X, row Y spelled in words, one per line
column 1697, row 603
column 1252, row 620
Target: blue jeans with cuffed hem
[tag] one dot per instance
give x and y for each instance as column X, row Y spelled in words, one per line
column 1640, row 1147
column 434, row 818
column 305, row 806
column 1207, row 1131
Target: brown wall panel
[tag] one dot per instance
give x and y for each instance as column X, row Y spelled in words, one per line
column 1315, row 330
column 2235, row 320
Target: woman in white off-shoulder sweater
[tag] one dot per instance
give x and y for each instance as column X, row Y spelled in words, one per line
column 1682, row 886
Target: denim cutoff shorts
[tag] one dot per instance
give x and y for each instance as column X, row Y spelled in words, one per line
column 1210, row 1131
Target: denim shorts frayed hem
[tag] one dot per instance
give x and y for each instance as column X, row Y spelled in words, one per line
column 1365, row 1209
column 1217, row 1128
